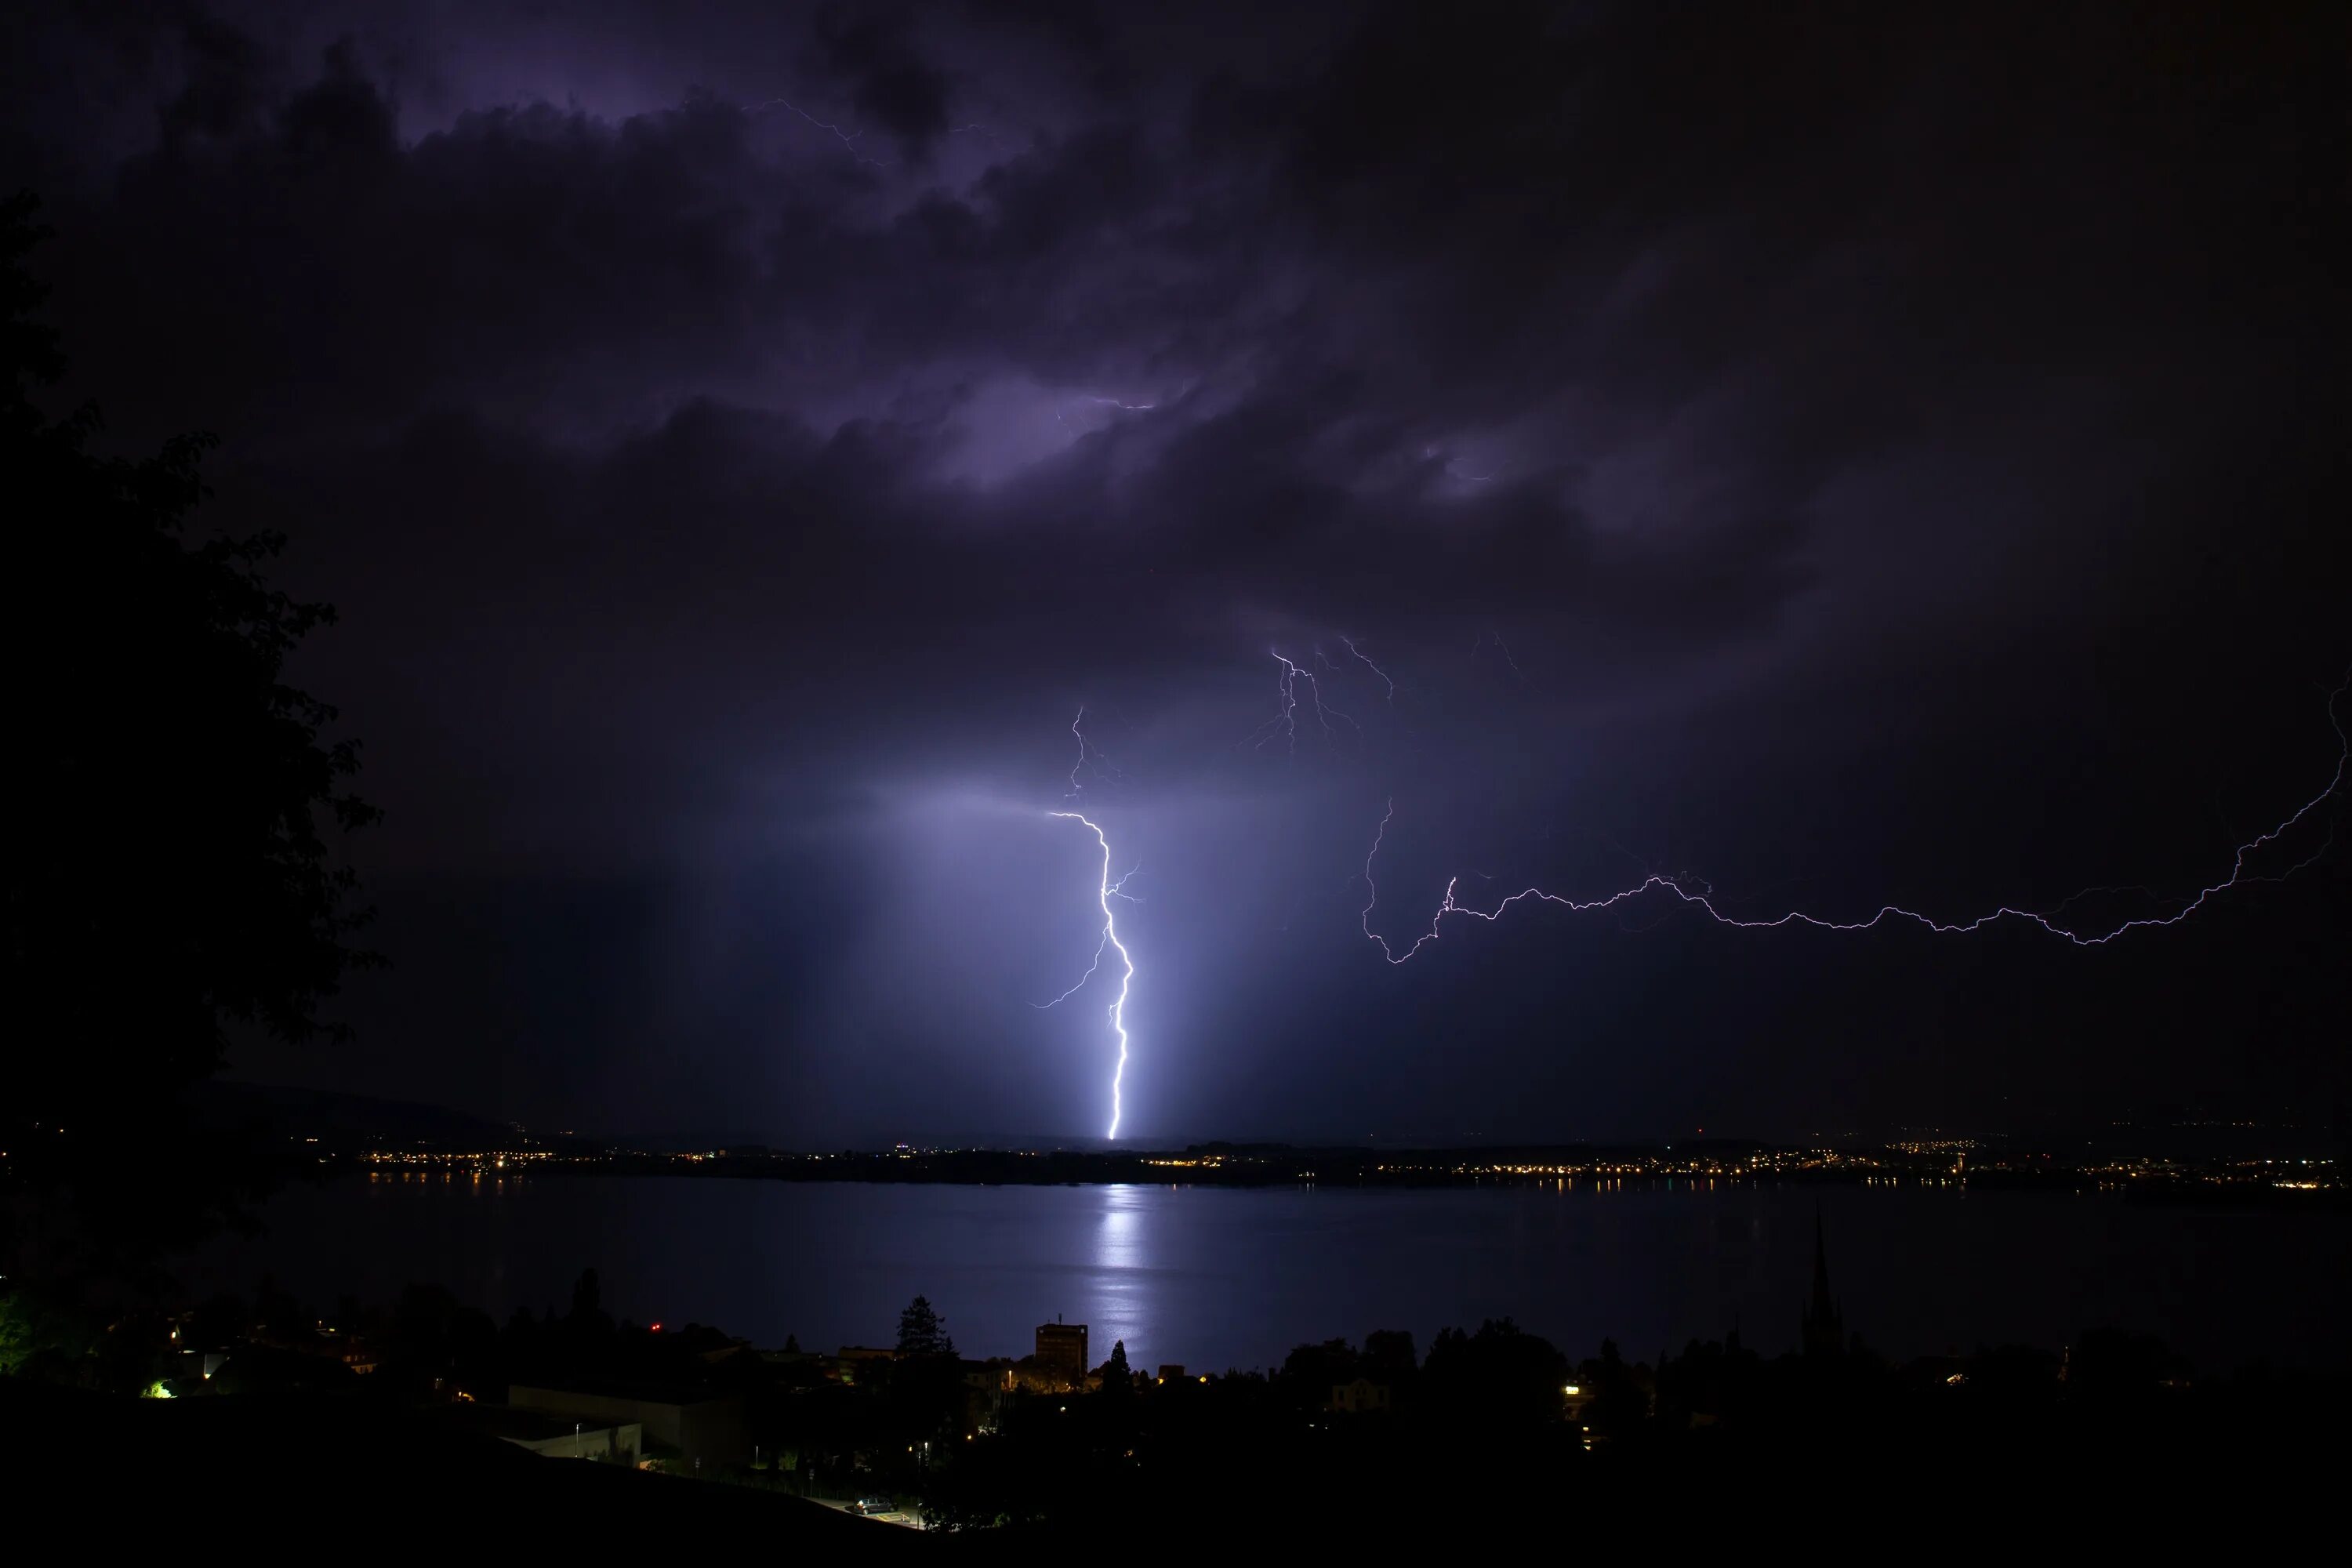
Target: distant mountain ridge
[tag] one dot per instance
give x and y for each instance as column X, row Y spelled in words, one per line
column 321, row 1113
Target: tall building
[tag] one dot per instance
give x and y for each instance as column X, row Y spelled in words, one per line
column 1062, row 1352
column 1824, row 1325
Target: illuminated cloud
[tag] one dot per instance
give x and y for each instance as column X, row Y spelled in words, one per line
column 1891, row 466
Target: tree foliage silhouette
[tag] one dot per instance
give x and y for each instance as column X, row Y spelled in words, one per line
column 175, row 810
column 1116, row 1376
column 922, row 1335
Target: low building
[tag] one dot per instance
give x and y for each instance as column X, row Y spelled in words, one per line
column 554, row 1436
column 1361, row 1395
column 984, row 1385
column 697, row 1424
column 355, row 1354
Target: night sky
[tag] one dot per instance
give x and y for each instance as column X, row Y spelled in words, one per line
column 1845, row 453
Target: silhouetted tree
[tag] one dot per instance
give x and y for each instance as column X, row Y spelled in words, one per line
column 430, row 1338
column 172, row 812
column 1117, row 1379
column 1309, row 1372
column 922, row 1332
column 1388, row 1358
column 1620, row 1402
column 1502, row 1376
column 1710, row 1382
column 588, row 1332
column 926, row 1386
column 36, row 1340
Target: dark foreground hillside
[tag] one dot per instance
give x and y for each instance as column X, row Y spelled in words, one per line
column 329, row 1474
column 342, row 1475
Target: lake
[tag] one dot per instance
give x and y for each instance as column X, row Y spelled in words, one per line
column 1216, row 1278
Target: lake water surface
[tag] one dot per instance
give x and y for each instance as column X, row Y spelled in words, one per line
column 1213, row 1277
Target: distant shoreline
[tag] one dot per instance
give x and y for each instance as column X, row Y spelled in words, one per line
column 1456, row 1170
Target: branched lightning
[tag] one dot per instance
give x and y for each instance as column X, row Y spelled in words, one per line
column 846, row 138
column 1106, row 890
column 1695, row 893
column 1284, row 723
column 1502, row 647
column 1091, row 761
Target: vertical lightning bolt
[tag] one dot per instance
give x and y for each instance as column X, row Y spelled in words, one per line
column 1092, row 763
column 1077, row 729
column 1106, row 890
column 1699, row 895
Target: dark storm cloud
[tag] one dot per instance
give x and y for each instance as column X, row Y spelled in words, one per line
column 1830, row 405
column 896, row 89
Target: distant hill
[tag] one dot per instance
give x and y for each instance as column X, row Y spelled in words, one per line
column 317, row 1113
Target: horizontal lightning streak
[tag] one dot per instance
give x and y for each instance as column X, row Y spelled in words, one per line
column 1703, row 900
